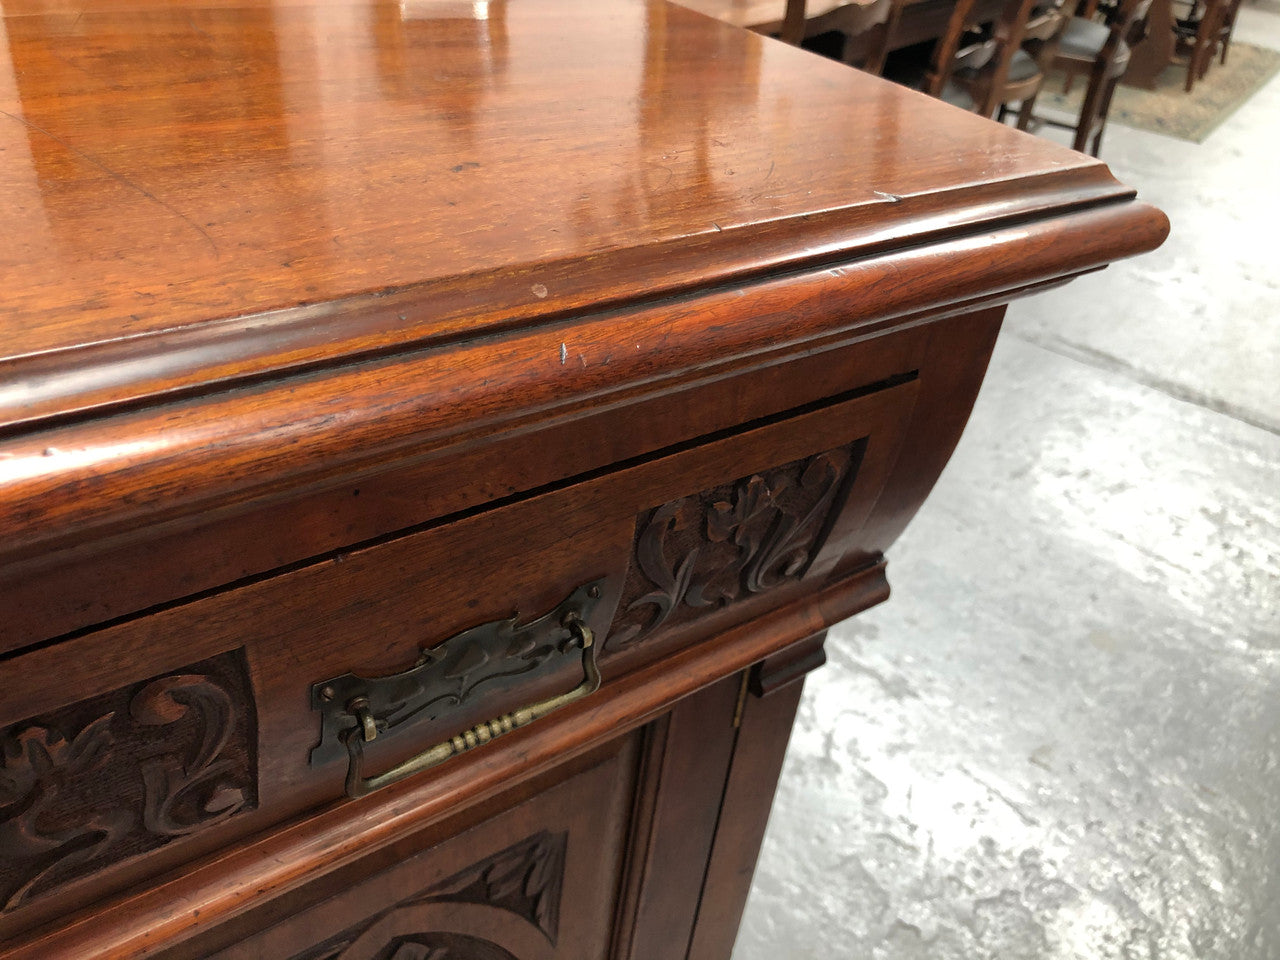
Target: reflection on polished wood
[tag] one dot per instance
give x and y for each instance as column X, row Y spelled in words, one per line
column 326, row 152
column 342, row 338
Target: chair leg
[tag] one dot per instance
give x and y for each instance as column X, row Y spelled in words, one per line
column 1228, row 27
column 1025, row 112
column 1102, row 114
column 1202, row 51
column 1089, row 110
column 1216, row 36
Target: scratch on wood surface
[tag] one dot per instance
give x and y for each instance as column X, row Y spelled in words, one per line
column 119, row 179
column 194, row 26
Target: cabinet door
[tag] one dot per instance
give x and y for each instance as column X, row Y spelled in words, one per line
column 536, row 880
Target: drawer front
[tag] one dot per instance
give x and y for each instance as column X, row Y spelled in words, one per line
column 133, row 749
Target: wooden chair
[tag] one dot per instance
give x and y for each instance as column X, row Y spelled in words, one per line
column 978, row 72
column 860, row 24
column 1104, row 51
column 1207, row 27
column 862, row 27
column 1030, row 63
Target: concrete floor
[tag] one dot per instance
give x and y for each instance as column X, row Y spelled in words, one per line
column 1061, row 737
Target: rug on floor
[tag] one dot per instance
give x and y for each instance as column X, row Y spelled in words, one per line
column 1168, row 109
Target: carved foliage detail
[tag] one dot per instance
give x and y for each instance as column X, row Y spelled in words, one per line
column 427, row 946
column 117, row 775
column 525, row 879
column 706, row 551
column 442, row 946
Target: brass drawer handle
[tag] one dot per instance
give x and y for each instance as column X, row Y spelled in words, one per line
column 482, row 733
column 483, row 660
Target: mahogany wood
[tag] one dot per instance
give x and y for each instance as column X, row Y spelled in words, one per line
column 695, row 751
column 338, row 335
column 535, row 875
column 763, row 720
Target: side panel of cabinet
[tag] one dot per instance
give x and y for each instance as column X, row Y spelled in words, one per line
column 687, row 756
column 705, row 791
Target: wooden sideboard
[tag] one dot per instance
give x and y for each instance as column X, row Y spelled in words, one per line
column 434, row 438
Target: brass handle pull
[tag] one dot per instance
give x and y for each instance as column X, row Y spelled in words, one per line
column 365, row 729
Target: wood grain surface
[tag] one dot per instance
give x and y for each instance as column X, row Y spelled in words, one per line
column 333, row 329
column 198, row 186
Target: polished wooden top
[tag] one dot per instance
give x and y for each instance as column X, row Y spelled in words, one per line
column 198, row 192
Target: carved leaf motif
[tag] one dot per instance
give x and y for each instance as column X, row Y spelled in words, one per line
column 705, row 552
column 418, row 951
column 788, row 550
column 672, row 582
column 442, row 946
column 35, row 757
column 185, row 796
column 137, row 770
column 525, row 879
column 39, row 763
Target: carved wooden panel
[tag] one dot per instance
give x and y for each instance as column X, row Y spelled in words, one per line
column 117, row 775
column 705, row 551
column 442, row 946
column 430, row 946
column 525, row 879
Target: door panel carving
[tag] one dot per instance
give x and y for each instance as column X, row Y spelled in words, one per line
column 524, row 880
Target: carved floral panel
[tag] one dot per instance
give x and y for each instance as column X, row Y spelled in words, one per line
column 117, row 775
column 525, row 879
column 702, row 552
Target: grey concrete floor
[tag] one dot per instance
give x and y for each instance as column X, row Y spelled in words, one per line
column 1061, row 737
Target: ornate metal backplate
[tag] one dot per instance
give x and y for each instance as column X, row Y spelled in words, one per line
column 450, row 674
column 115, row 776
column 705, row 551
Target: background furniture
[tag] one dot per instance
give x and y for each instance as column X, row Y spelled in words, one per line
column 434, row 446
column 1205, row 32
column 983, row 74
column 1104, row 51
column 1157, row 50
column 1031, row 62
